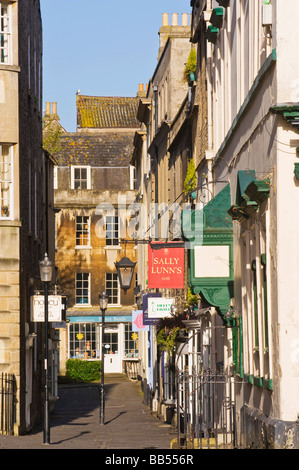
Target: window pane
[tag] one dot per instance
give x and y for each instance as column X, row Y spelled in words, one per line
column 112, row 230
column 80, row 178
column 112, row 288
column 82, row 288
column 131, row 342
column 111, row 340
column 4, row 34
column 5, row 180
column 82, row 230
column 83, row 341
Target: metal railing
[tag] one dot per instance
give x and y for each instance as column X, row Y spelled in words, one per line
column 7, row 403
column 206, row 410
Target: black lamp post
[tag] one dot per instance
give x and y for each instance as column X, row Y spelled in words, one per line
column 103, row 306
column 46, row 272
column 125, row 270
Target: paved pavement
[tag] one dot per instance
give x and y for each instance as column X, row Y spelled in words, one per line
column 75, row 423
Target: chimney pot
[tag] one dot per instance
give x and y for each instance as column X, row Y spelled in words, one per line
column 164, row 19
column 48, row 108
column 174, row 19
column 54, row 108
column 184, row 19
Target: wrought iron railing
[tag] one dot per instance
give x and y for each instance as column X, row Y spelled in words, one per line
column 7, row 403
column 206, row 410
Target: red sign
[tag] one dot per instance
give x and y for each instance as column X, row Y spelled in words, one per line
column 165, row 266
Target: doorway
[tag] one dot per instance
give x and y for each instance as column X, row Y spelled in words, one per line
column 112, row 346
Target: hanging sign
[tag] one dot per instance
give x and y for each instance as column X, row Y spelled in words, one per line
column 155, row 307
column 165, row 266
column 55, row 306
column 159, row 307
column 137, row 321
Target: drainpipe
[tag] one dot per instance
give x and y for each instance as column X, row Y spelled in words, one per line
column 156, row 154
column 209, row 152
column 156, row 108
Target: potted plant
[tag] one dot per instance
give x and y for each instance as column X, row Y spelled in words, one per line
column 190, row 67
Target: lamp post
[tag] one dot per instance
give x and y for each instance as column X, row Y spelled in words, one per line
column 46, row 272
column 125, row 270
column 103, row 306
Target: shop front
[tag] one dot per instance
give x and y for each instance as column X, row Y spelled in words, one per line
column 120, row 342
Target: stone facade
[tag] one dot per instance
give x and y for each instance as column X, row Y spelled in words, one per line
column 101, row 150
column 160, row 157
column 23, row 208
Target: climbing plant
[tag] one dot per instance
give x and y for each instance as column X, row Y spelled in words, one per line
column 190, row 180
column 51, row 136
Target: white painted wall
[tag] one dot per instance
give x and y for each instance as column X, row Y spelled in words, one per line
column 267, row 144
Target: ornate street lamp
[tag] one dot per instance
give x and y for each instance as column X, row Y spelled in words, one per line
column 125, row 270
column 46, row 273
column 103, row 306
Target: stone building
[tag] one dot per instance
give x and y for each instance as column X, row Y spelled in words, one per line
column 26, row 207
column 94, row 189
column 161, row 157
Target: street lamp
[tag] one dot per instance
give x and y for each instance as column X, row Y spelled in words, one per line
column 103, row 306
column 125, row 270
column 46, row 272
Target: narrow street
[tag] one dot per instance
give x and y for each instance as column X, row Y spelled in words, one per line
column 75, row 424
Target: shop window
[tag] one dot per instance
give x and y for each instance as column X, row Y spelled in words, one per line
column 84, row 341
column 131, row 341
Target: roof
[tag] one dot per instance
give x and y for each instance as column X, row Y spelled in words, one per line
column 98, row 112
column 108, row 149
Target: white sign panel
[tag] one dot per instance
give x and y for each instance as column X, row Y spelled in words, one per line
column 211, row 261
column 159, row 307
column 54, row 308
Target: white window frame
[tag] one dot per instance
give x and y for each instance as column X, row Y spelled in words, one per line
column 112, row 236
column 7, row 33
column 76, row 167
column 88, row 279
column 87, row 245
column 113, row 279
column 133, row 177
column 55, row 177
column 84, row 341
column 9, row 200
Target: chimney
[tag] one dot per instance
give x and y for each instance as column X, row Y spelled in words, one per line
column 174, row 29
column 54, row 108
column 141, row 92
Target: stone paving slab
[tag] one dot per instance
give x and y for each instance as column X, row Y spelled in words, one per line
column 75, row 421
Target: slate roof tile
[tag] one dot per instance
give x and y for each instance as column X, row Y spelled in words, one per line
column 100, row 112
column 109, row 149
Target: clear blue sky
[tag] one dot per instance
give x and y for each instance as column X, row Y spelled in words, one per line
column 100, row 47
